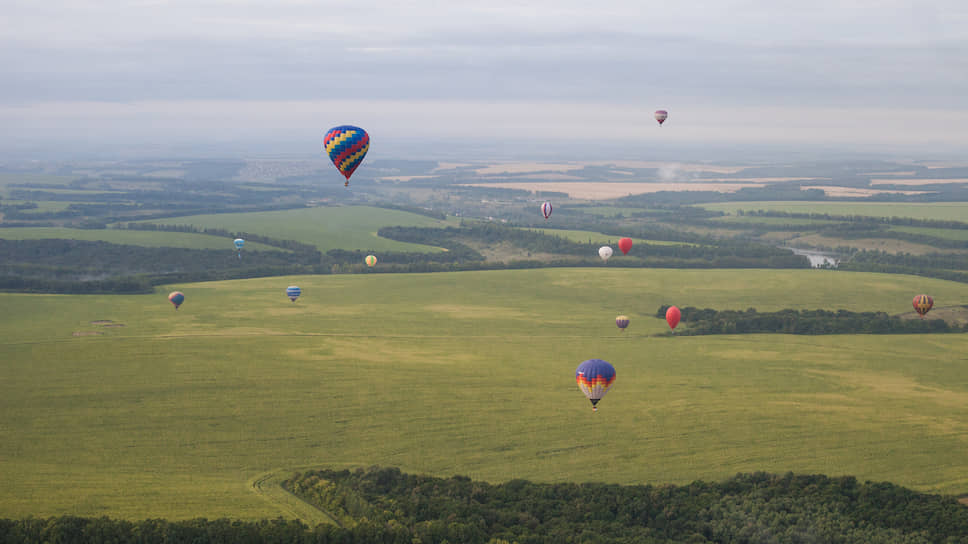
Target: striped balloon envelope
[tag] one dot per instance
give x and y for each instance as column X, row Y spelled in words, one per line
column 923, row 304
column 621, row 322
column 546, row 209
column 595, row 377
column 661, row 116
column 293, row 292
column 176, row 298
column 346, row 146
column 370, row 260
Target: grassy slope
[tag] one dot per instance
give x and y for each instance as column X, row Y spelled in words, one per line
column 351, row 227
column 472, row 373
column 954, row 211
column 131, row 237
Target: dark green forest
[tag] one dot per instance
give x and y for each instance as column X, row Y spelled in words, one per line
column 708, row 321
column 386, row 506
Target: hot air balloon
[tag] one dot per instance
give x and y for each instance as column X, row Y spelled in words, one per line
column 546, row 209
column 923, row 304
column 293, row 292
column 621, row 322
column 672, row 316
column 605, row 252
column 595, row 377
column 661, row 116
column 370, row 260
column 625, row 244
column 176, row 298
column 238, row 245
column 346, row 146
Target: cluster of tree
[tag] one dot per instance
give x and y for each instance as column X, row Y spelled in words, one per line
column 722, row 255
column 894, row 221
column 75, row 266
column 291, row 245
column 708, row 321
column 946, row 266
column 746, row 508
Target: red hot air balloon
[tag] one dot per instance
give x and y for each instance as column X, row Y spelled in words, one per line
column 923, row 304
column 661, row 116
column 672, row 316
column 625, row 245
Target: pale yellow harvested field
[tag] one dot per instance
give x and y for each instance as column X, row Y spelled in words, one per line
column 685, row 167
column 450, row 165
column 762, row 180
column 551, row 176
column 916, row 181
column 403, row 178
column 854, row 191
column 526, row 167
column 944, row 164
column 608, row 190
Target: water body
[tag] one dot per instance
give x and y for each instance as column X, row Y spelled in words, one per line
column 817, row 259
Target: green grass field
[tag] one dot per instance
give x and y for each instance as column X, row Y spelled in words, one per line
column 131, row 237
column 350, row 227
column 948, row 211
column 176, row 413
column 43, row 206
column 946, row 234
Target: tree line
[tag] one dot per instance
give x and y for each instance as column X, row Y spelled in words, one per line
column 708, row 321
column 386, row 506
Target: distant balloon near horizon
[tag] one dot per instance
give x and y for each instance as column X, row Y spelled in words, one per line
column 238, row 245
column 621, row 322
column 346, row 146
column 605, row 252
column 293, row 292
column 370, row 260
column 672, row 317
column 661, row 116
column 176, row 298
column 546, row 209
column 923, row 304
column 595, row 377
column 625, row 245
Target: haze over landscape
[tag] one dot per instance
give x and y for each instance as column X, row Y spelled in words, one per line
column 431, row 79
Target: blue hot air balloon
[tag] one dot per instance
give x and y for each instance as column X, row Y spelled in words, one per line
column 293, row 292
column 595, row 377
column 238, row 245
column 176, row 298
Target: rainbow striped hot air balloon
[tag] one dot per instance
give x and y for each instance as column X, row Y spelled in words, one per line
column 293, row 292
column 621, row 322
column 176, row 298
column 595, row 377
column 370, row 260
column 923, row 304
column 346, row 146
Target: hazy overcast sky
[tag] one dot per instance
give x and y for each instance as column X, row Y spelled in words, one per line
column 274, row 75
